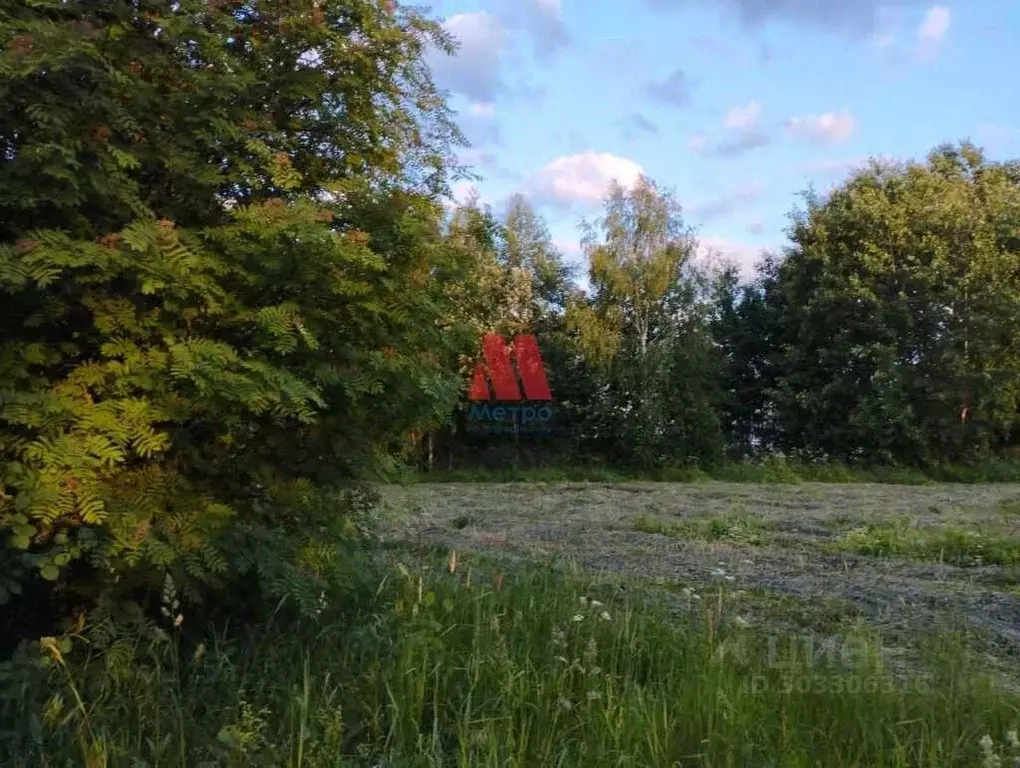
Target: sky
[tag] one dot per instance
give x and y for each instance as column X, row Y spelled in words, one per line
column 737, row 106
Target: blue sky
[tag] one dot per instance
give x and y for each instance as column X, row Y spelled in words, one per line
column 736, row 105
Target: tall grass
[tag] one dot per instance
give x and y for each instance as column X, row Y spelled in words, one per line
column 525, row 669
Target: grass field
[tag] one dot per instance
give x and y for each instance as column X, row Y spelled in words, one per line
column 585, row 624
column 902, row 556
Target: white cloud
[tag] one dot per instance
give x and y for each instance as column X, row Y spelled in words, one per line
column 474, row 68
column 827, row 128
column 743, row 117
column 570, row 248
column 932, row 32
column 719, row 250
column 542, row 20
column 550, row 8
column 460, row 193
column 482, row 109
column 582, row 178
column 935, row 24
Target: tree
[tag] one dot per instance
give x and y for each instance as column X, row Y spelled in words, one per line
column 895, row 311
column 742, row 329
column 219, row 230
column 641, row 328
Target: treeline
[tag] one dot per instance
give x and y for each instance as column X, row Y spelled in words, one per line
column 883, row 334
column 229, row 288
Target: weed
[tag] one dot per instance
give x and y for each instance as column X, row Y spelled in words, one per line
column 954, row 545
column 467, row 669
column 744, row 529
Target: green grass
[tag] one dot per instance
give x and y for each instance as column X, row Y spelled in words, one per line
column 532, row 668
column 743, row 529
column 776, row 471
column 953, row 545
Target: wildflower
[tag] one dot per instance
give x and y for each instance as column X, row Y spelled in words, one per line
column 595, row 671
column 747, row 562
column 199, row 653
column 605, row 616
column 1012, row 740
column 731, row 578
column 718, row 572
column 596, row 604
column 584, row 600
column 565, row 704
column 179, row 620
column 578, row 617
column 986, row 743
column 594, row 695
column 688, row 592
column 591, row 651
column 740, row 621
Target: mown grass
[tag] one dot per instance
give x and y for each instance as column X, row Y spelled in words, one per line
column 531, row 668
column 776, row 471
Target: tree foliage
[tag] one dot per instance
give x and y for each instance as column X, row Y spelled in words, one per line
column 219, row 232
column 895, row 313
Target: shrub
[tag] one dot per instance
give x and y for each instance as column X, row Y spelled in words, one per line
column 206, row 284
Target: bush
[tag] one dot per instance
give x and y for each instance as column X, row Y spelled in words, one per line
column 188, row 347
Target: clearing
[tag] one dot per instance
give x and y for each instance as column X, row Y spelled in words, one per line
column 905, row 559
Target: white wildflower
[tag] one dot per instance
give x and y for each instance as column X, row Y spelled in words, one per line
column 986, row 743
column 688, row 592
column 584, row 600
column 731, row 578
column 578, row 617
column 565, row 704
column 740, row 621
column 594, row 695
column 605, row 616
column 1012, row 739
column 596, row 604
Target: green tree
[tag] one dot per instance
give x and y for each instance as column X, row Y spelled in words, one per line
column 896, row 313
column 642, row 329
column 219, row 233
column 742, row 328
